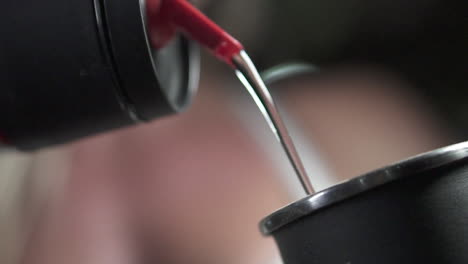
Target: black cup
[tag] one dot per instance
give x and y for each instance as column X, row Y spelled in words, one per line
column 415, row 211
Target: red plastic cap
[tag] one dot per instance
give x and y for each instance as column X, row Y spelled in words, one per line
column 161, row 30
column 166, row 16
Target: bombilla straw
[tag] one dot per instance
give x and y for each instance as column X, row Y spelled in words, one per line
column 200, row 28
column 197, row 26
column 249, row 76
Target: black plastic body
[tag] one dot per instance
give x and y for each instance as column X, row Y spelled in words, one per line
column 70, row 69
column 417, row 219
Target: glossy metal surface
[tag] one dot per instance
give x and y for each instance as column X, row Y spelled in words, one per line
column 340, row 192
column 288, row 71
column 251, row 79
column 177, row 65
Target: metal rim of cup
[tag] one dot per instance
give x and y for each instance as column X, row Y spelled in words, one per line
column 406, row 168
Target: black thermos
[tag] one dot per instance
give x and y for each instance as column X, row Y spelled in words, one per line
column 69, row 69
column 412, row 212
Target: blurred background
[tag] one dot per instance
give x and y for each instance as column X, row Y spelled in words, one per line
column 389, row 83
